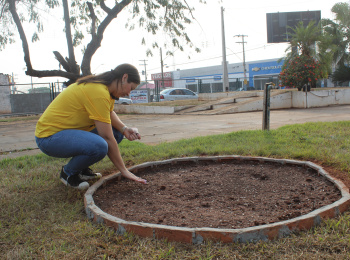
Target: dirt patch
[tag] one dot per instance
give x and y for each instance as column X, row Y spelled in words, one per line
column 236, row 194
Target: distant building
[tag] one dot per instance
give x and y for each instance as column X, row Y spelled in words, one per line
column 5, row 91
column 209, row 79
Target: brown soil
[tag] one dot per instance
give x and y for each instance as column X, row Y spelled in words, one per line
column 234, row 194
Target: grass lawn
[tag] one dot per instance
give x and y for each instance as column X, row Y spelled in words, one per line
column 40, row 218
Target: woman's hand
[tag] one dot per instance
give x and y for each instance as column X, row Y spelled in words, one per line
column 132, row 134
column 133, row 177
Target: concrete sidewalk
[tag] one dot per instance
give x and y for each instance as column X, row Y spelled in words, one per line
column 155, row 129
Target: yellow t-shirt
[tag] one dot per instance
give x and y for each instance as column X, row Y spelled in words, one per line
column 76, row 108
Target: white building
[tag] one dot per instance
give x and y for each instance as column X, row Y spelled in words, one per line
column 5, row 91
column 210, row 79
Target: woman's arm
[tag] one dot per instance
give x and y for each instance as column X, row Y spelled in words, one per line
column 105, row 131
column 130, row 133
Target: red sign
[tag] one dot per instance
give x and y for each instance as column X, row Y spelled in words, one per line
column 166, row 75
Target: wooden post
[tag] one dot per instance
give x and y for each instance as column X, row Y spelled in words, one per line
column 266, row 106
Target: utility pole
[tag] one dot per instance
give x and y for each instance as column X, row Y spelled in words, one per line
column 244, row 68
column 225, row 83
column 144, row 64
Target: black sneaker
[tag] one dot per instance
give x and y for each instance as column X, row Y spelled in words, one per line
column 88, row 174
column 73, row 181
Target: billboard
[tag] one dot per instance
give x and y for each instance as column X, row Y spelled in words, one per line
column 278, row 24
column 139, row 96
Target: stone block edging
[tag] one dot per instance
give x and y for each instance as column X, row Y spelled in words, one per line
column 198, row 235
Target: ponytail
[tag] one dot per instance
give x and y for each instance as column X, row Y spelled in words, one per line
column 108, row 77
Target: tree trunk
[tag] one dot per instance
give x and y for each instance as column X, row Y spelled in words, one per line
column 22, row 35
column 74, row 68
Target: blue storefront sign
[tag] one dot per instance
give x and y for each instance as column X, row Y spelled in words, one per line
column 264, row 68
column 190, row 80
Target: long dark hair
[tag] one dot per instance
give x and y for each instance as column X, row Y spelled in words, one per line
column 108, row 77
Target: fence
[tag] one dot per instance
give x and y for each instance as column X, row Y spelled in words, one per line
column 28, row 98
column 209, row 85
column 32, row 88
column 214, row 84
column 34, row 98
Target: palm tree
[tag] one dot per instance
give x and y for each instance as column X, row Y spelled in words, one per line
column 336, row 41
column 302, row 49
column 303, row 40
column 327, row 48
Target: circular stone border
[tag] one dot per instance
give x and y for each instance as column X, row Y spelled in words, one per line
column 198, row 235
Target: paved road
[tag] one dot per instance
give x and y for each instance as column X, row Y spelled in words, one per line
column 166, row 128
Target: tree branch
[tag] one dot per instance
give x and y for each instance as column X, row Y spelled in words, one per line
column 96, row 40
column 166, row 11
column 71, row 57
column 12, row 8
column 52, row 73
column 2, row 9
column 189, row 10
column 93, row 19
column 104, row 7
column 62, row 60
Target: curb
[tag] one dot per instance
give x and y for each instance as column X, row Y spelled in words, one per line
column 198, row 235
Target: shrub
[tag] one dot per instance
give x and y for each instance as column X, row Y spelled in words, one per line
column 300, row 71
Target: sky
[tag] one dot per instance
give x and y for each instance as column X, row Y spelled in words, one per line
column 120, row 45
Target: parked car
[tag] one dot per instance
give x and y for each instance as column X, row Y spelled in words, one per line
column 154, row 98
column 247, row 89
column 172, row 94
column 123, row 101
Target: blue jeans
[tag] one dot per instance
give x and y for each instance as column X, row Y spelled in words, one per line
column 85, row 148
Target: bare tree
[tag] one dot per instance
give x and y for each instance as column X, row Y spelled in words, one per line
column 171, row 16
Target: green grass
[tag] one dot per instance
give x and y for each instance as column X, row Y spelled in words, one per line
column 40, row 218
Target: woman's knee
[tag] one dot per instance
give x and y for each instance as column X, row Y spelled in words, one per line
column 101, row 149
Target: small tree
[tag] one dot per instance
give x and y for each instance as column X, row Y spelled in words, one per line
column 301, row 68
column 341, row 74
column 336, row 42
column 300, row 71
